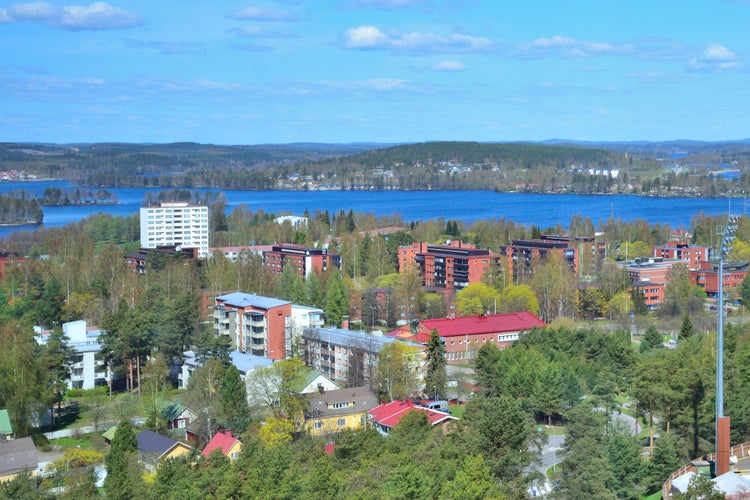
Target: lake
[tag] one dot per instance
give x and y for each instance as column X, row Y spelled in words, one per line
column 466, row 206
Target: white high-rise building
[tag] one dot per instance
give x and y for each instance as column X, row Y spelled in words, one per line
column 175, row 223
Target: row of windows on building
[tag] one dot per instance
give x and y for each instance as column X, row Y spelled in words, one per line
column 318, row 425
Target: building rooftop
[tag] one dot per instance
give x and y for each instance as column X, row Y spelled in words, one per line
column 484, row 323
column 239, row 299
column 17, row 455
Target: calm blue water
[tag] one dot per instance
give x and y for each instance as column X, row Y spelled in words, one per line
column 467, row 206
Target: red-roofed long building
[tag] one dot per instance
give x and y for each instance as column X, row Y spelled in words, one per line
column 387, row 416
column 464, row 335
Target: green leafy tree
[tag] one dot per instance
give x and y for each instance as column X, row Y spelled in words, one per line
column 395, row 379
column 477, row 298
column 435, row 377
column 203, row 396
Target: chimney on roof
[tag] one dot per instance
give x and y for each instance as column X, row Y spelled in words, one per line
column 321, row 389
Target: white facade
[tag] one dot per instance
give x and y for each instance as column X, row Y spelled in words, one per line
column 175, row 223
column 87, row 370
column 302, row 317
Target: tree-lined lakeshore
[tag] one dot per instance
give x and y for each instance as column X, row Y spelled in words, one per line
column 676, row 168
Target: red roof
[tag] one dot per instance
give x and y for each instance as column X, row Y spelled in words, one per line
column 489, row 323
column 390, row 414
column 221, row 440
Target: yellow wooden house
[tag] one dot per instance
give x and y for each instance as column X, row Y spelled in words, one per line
column 338, row 410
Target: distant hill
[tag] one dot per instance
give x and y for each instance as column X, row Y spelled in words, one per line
column 548, row 166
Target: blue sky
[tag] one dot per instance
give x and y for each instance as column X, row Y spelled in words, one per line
column 233, row 72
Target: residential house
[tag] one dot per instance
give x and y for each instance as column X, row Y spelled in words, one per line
column 17, row 456
column 334, row 411
column 229, row 445
column 256, row 325
column 89, row 368
column 153, row 448
column 452, row 266
column 316, row 381
column 245, row 363
column 175, row 223
column 177, row 416
column 464, row 335
column 6, row 428
column 388, row 415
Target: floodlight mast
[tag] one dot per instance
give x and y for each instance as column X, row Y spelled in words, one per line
column 723, row 447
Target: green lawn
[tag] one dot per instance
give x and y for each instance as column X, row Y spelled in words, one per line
column 457, row 410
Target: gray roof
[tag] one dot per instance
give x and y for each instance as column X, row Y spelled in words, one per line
column 248, row 362
column 245, row 363
column 17, row 455
column 155, row 445
column 731, row 483
column 238, row 299
column 360, row 400
column 347, row 338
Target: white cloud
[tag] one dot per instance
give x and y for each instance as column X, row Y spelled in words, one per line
column 570, row 47
column 364, row 37
column 715, row 58
column 263, row 14
column 450, row 66
column 372, row 38
column 97, row 16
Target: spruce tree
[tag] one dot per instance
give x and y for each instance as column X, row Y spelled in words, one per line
column 686, row 331
column 435, row 377
column 121, row 463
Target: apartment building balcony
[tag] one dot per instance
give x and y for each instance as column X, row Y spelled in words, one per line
column 254, row 319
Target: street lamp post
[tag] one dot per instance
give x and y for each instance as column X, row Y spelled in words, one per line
column 722, row 422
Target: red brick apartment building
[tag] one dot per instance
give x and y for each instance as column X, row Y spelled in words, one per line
column 692, row 255
column 707, row 277
column 522, row 255
column 255, row 325
column 650, row 276
column 304, row 260
column 452, row 266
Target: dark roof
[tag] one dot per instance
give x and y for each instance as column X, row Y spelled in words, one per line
column 17, row 455
column 341, row 402
column 153, row 443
